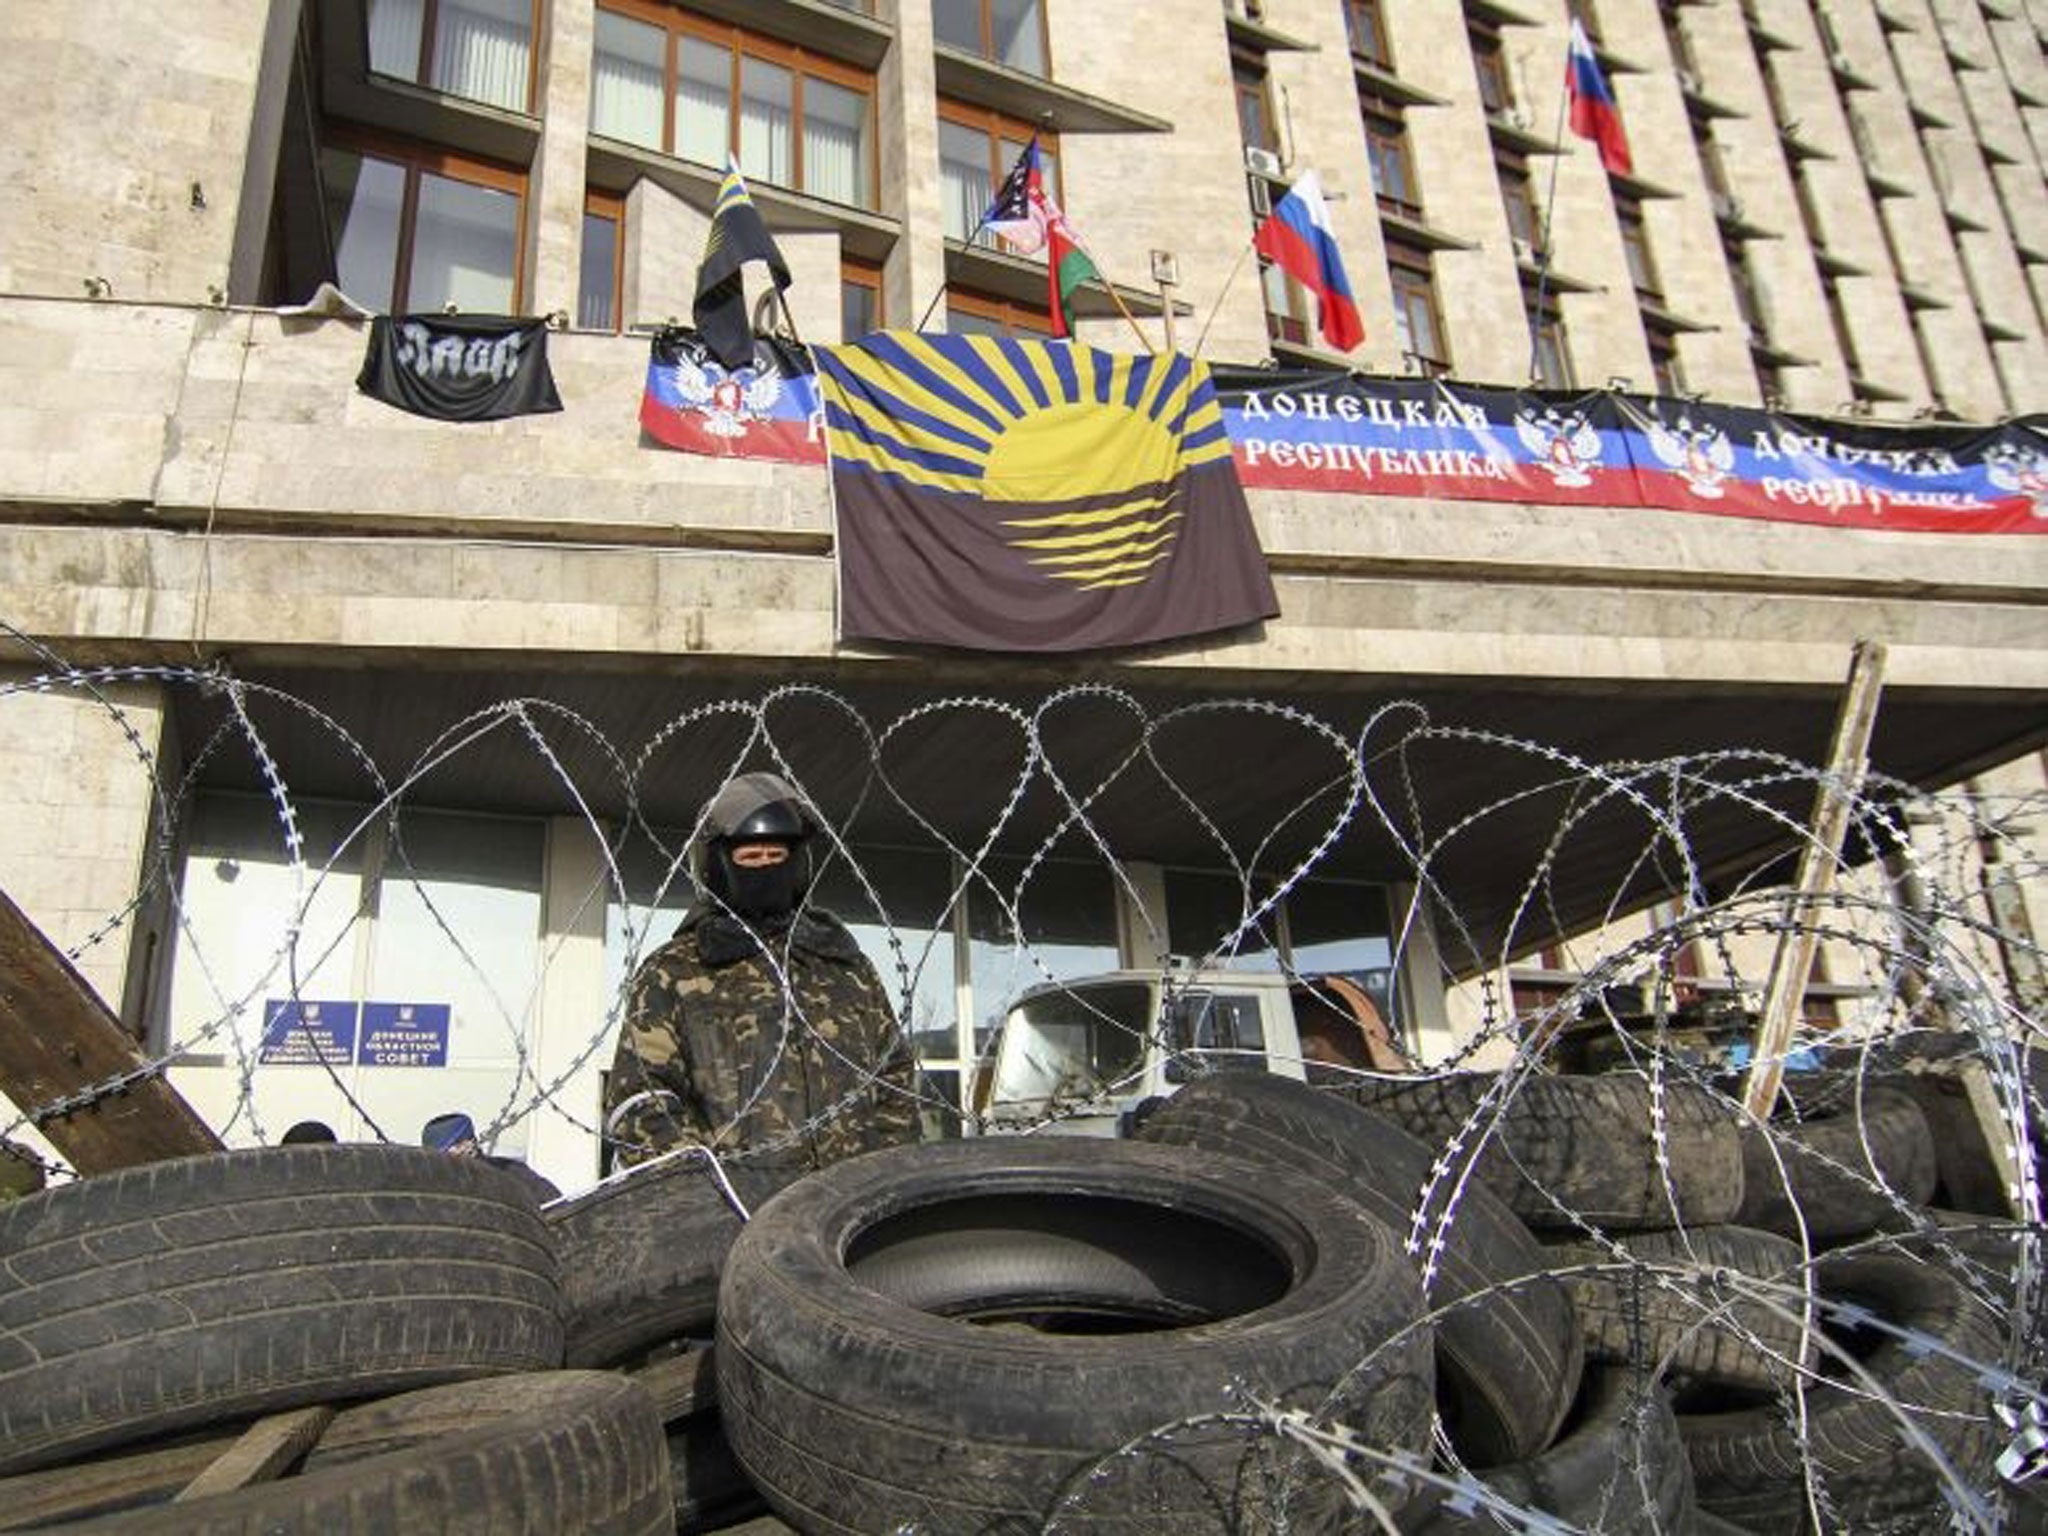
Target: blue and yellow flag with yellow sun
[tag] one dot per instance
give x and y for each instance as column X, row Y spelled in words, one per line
column 1000, row 494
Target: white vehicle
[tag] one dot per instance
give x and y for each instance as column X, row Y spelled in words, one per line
column 1090, row 1056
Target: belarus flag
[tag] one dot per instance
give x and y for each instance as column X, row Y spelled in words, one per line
column 1594, row 115
column 1296, row 236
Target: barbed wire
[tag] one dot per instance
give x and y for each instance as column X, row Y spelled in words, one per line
column 1932, row 975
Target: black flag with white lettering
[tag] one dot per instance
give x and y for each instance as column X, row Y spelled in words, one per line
column 459, row 367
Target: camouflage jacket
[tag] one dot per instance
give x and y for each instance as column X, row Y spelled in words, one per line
column 784, row 1046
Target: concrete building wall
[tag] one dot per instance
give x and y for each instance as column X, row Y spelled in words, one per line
column 80, row 769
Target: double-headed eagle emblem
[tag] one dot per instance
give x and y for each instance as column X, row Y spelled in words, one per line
column 729, row 402
column 1701, row 456
column 1565, row 445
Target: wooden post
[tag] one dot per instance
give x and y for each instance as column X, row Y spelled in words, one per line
column 1792, row 964
column 268, row 1448
column 58, row 1039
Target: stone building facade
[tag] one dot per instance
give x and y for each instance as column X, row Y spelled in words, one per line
column 1839, row 208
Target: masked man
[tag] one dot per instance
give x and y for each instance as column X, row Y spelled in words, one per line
column 760, row 1025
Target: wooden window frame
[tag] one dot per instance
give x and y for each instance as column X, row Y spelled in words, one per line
column 740, row 44
column 1396, row 142
column 1384, row 58
column 1409, row 274
column 855, row 273
column 1248, row 80
column 1008, row 313
column 413, row 158
column 1490, row 65
column 612, row 206
column 988, row 36
column 1635, row 237
column 430, row 26
column 998, row 126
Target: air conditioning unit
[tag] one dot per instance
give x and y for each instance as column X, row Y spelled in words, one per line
column 1511, row 117
column 1839, row 62
column 1524, row 251
column 1724, row 206
column 1688, row 81
column 1262, row 162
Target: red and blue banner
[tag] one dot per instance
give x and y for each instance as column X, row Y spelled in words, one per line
column 1340, row 433
column 765, row 410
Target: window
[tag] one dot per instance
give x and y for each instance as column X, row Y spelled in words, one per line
column 481, row 49
column 1386, row 150
column 1290, row 308
column 1416, row 322
column 1008, row 32
column 415, row 944
column 1635, row 246
column 700, row 91
column 1518, row 200
column 977, row 150
column 977, row 314
column 1254, row 113
column 1665, row 368
column 1368, row 32
column 860, row 299
column 1490, row 63
column 601, row 273
column 1550, row 363
column 418, row 230
column 1065, row 927
column 1204, row 911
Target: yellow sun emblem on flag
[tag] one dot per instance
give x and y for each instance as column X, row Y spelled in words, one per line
column 1082, row 452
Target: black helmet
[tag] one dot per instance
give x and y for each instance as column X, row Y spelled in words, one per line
column 757, row 808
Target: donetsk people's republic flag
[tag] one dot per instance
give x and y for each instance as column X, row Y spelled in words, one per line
column 1000, row 494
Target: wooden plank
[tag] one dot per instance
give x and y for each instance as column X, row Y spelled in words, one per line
column 58, row 1040
column 1792, row 964
column 269, row 1446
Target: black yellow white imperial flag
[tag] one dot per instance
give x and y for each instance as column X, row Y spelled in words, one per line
column 1013, row 495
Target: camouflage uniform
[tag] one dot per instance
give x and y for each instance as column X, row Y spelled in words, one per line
column 718, row 1051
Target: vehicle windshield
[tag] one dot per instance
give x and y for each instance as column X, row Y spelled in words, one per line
column 1071, row 1045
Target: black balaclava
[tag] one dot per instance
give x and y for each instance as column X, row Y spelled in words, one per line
column 758, row 808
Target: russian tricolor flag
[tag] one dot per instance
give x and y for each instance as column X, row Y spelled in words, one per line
column 1594, row 114
column 1296, row 236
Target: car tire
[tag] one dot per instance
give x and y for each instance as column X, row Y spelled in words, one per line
column 1609, row 1151
column 1508, row 1354
column 641, row 1253
column 560, row 1454
column 178, row 1294
column 991, row 1334
column 1619, row 1467
column 1695, row 1328
column 1845, row 1169
column 1748, row 1463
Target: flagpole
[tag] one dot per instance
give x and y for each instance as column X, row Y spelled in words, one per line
column 1109, row 288
column 1549, row 205
column 1222, row 294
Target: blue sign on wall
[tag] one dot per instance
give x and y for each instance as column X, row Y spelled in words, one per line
column 404, row 1035
column 301, row 1032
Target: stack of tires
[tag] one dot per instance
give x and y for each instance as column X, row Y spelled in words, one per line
column 1826, row 1335
column 401, row 1308
column 1460, row 1304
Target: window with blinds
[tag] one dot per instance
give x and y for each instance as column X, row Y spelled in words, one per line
column 479, row 49
column 697, row 90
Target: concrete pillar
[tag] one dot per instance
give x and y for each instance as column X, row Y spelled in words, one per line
column 554, row 205
column 576, row 1037
column 907, row 112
